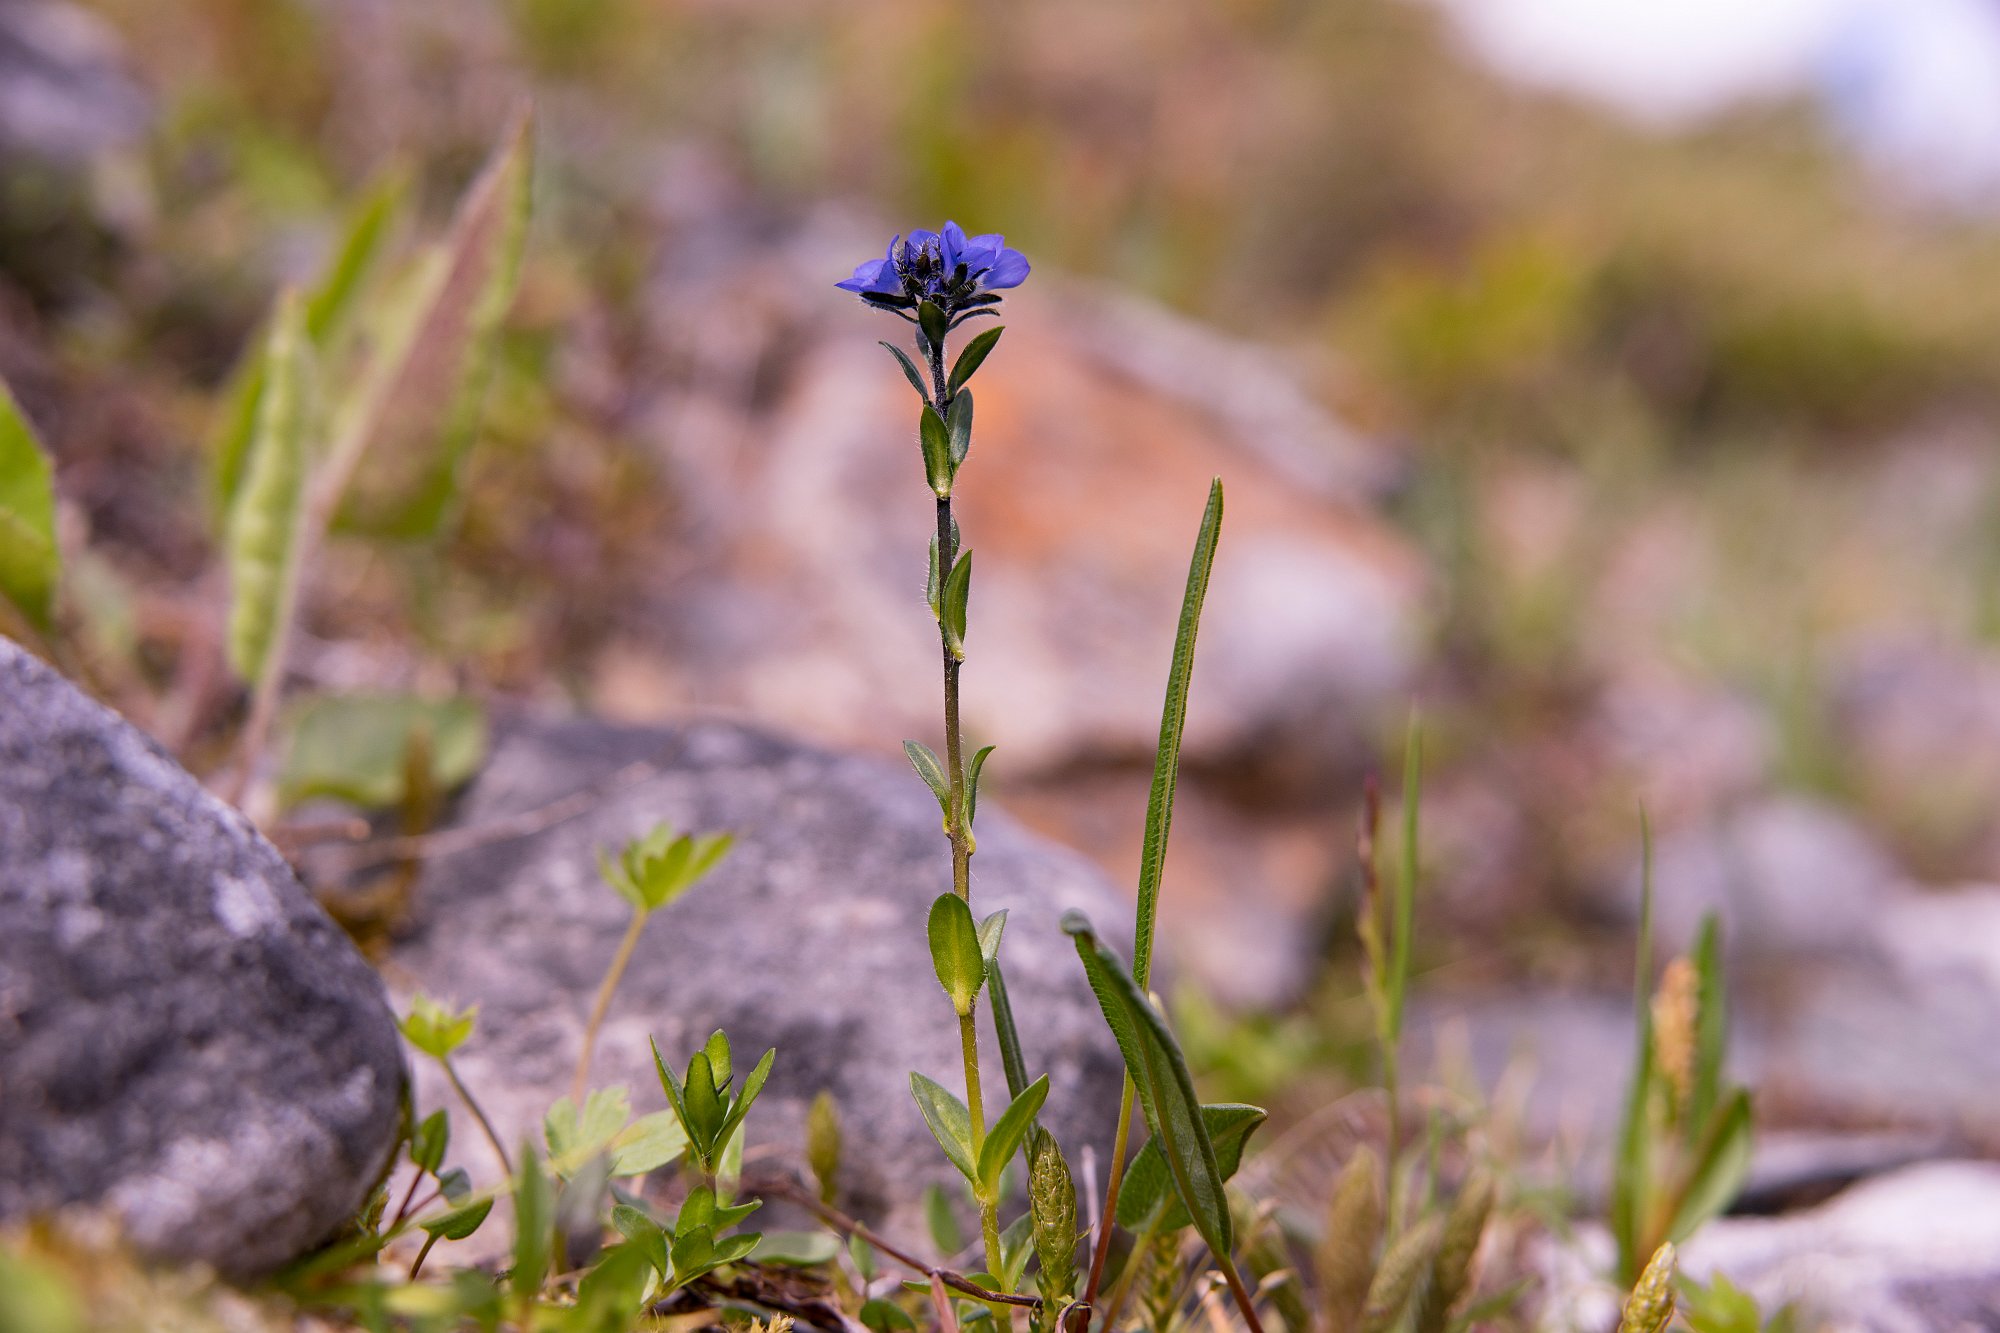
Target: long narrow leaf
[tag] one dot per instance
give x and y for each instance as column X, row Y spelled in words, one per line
column 1711, row 1027
column 1011, row 1062
column 1628, row 1174
column 29, row 562
column 1147, row 1198
column 1173, row 721
column 1398, row 982
column 264, row 521
column 1166, row 1091
column 1720, row 1165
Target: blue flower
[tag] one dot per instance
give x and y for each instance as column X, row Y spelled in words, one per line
column 959, row 274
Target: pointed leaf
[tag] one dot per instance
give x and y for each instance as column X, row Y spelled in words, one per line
column 1711, row 1027
column 1166, row 1091
column 676, row 1096
column 751, row 1087
column 972, row 771
column 1718, row 1171
column 1147, row 1198
column 958, row 426
column 428, row 1142
column 705, row 1107
column 910, row 372
column 925, row 761
column 29, row 562
column 990, row 931
column 1173, row 722
column 955, row 951
column 932, row 322
column 264, row 524
column 459, row 1222
column 935, row 441
column 970, row 358
column 716, row 1048
column 1003, row 1140
column 949, row 1121
column 1011, row 1061
column 534, row 1222
column 957, row 590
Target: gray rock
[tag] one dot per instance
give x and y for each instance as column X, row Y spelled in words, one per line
column 1908, row 1252
column 808, row 938
column 185, row 1037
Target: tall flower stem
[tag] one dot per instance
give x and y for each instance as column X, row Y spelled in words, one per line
column 961, row 841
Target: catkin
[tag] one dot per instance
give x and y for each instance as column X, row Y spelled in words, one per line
column 1676, row 1009
column 1452, row 1270
column 1345, row 1260
column 1651, row 1305
column 1405, row 1267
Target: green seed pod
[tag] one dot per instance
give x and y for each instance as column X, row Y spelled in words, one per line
column 1650, row 1307
column 1345, row 1260
column 1052, row 1204
column 1405, row 1268
column 823, row 1143
column 1451, row 1272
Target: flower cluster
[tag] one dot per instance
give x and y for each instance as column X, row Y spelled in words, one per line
column 958, row 274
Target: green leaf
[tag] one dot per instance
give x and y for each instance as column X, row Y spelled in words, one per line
column 932, row 322
column 263, row 535
column 955, row 951
column 823, row 1143
column 459, row 1222
column 950, row 1122
column 1720, row 1165
column 654, row 869
column 1166, row 1091
column 705, row 1107
column 1147, row 1198
column 574, row 1137
column 1011, row 1061
column 1003, row 1140
column 29, row 561
column 534, row 1222
column 1173, row 722
column 935, row 441
column 428, row 1142
column 990, row 931
column 611, row 1293
column 436, row 1030
column 455, row 1184
column 1628, row 1169
column 941, row 1222
column 1711, row 1027
column 416, row 409
column 970, row 358
column 716, row 1048
column 957, row 590
column 805, row 1249
column 958, row 426
column 676, row 1095
column 973, row 766
column 638, row 1227
column 910, row 372
column 647, row 1144
column 751, row 1087
column 885, row 1317
column 356, row 747
column 925, row 761
column 1398, row 981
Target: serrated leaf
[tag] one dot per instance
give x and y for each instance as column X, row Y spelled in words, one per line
column 970, row 357
column 935, row 442
column 647, row 1144
column 264, row 527
column 925, row 761
column 1173, row 723
column 1166, row 1091
column 1721, row 1163
column 1147, row 1198
column 957, row 591
column 958, row 426
column 428, row 1142
column 910, row 372
column 355, row 747
column 955, row 951
column 1003, row 1140
column 950, row 1123
column 29, row 561
column 417, row 407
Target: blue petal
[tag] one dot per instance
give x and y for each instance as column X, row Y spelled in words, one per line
column 1009, row 270
column 951, row 246
column 920, row 238
column 982, row 251
column 876, row 275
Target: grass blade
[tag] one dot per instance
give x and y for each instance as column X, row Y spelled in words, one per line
column 1628, row 1175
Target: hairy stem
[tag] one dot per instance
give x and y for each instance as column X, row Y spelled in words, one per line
column 472, row 1105
column 602, row 1004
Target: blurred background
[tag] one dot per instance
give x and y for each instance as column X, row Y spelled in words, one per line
column 1611, row 383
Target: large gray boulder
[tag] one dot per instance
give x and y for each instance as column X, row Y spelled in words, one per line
column 809, row 938
column 185, row 1038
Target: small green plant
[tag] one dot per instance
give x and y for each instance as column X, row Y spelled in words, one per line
column 1720, row 1306
column 1683, row 1145
column 709, row 1113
